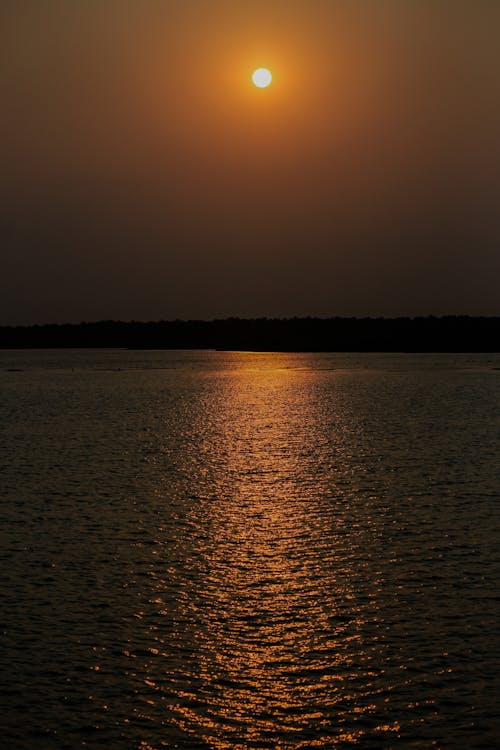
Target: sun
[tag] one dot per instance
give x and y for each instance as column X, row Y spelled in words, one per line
column 262, row 78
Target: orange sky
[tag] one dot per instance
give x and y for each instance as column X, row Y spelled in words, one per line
column 144, row 176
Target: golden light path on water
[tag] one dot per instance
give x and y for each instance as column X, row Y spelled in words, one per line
column 280, row 653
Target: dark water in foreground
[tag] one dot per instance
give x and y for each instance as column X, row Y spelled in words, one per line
column 216, row 550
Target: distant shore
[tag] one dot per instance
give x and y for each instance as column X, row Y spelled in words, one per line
column 420, row 334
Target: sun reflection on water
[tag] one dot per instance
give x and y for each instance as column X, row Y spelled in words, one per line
column 278, row 654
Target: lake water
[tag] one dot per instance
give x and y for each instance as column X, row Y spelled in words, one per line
column 234, row 550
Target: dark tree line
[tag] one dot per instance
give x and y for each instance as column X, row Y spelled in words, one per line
column 422, row 334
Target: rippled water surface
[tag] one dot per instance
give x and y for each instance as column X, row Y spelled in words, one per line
column 232, row 550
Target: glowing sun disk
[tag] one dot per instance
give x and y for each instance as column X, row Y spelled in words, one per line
column 262, row 78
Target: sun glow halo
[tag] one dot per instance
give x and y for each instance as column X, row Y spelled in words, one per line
column 262, row 78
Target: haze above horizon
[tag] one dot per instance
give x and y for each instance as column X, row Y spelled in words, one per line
column 145, row 177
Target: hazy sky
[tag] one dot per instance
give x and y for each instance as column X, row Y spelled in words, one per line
column 143, row 176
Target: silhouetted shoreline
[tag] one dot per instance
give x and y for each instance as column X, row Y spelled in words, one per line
column 420, row 334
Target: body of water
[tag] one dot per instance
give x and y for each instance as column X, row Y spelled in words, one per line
column 234, row 551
